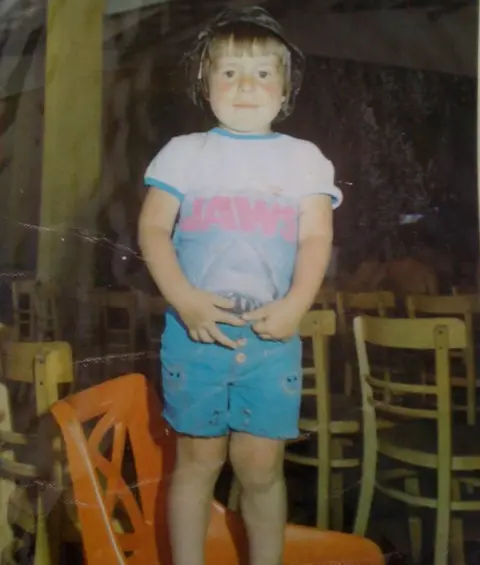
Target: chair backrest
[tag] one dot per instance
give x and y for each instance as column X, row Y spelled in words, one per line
column 446, row 305
column 156, row 307
column 317, row 325
column 380, row 301
column 46, row 312
column 118, row 411
column 18, row 360
column 376, row 302
column 326, row 298
column 45, row 366
column 5, row 333
column 315, row 328
column 395, row 398
column 21, row 362
column 23, row 293
column 118, row 318
column 35, row 310
column 464, row 307
column 464, row 290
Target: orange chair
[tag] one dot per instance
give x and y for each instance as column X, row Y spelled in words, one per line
column 127, row 407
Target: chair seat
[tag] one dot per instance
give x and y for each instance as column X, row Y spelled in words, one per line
column 416, row 443
column 227, row 543
column 345, row 415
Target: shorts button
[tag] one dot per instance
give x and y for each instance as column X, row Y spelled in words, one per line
column 241, row 358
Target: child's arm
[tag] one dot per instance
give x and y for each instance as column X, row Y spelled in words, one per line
column 157, row 219
column 313, row 255
column 199, row 310
column 280, row 320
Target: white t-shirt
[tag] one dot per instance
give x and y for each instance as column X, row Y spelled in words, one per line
column 237, row 230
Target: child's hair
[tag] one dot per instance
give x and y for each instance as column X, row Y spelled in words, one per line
column 247, row 30
column 242, row 38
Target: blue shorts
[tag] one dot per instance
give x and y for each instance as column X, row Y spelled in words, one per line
column 210, row 390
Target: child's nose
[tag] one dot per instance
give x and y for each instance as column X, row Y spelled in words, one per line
column 246, row 83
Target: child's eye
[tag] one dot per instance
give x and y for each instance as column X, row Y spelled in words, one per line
column 229, row 73
column 263, row 74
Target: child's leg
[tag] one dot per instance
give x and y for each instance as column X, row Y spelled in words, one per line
column 195, row 397
column 264, row 408
column 198, row 463
column 258, row 465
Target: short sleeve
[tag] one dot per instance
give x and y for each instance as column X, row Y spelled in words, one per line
column 167, row 171
column 317, row 174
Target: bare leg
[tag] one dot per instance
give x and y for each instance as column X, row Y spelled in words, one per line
column 258, row 465
column 198, row 464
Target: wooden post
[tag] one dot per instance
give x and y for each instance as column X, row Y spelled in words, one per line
column 24, row 182
column 72, row 138
column 478, row 149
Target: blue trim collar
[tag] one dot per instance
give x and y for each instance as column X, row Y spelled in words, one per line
column 246, row 136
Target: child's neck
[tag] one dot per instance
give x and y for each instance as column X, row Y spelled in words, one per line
column 265, row 131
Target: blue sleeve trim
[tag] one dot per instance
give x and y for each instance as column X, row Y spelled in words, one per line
column 337, row 199
column 149, row 181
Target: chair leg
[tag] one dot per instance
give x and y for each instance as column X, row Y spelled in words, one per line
column 323, row 481
column 365, row 498
column 471, row 386
column 348, row 384
column 336, row 484
column 43, row 554
column 336, row 502
column 412, row 486
column 367, row 483
column 442, row 528
column 457, row 550
column 7, row 487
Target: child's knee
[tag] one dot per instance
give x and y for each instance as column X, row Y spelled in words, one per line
column 259, row 466
column 203, row 458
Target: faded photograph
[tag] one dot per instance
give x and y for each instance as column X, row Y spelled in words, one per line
column 239, row 282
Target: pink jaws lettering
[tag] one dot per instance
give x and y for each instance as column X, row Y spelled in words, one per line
column 237, row 213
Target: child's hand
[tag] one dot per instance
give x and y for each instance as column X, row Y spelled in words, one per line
column 276, row 321
column 200, row 310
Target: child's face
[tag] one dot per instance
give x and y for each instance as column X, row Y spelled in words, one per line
column 246, row 92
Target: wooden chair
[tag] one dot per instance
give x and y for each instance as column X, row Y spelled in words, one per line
column 155, row 313
column 24, row 319
column 89, row 340
column 326, row 298
column 119, row 326
column 35, row 311
column 423, row 438
column 350, row 304
column 462, row 306
column 332, row 421
column 127, row 407
column 463, row 290
column 43, row 366
column 46, row 311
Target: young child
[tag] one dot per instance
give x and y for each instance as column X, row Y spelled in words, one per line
column 251, row 216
